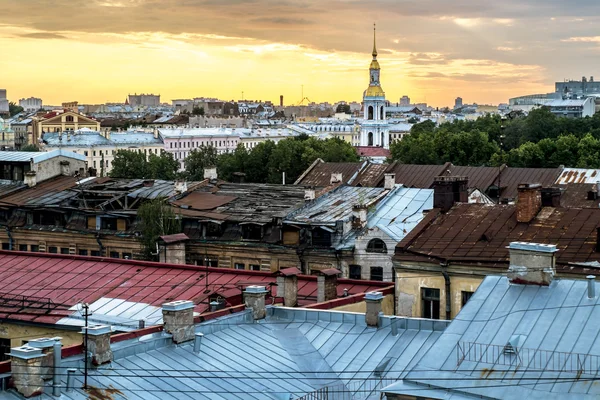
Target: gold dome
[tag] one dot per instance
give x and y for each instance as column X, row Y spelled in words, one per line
column 374, row 91
column 374, row 65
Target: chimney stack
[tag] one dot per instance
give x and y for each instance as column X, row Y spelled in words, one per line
column 529, row 201
column 336, row 177
column 550, row 197
column 290, row 286
column 448, row 190
column 327, row 284
column 390, row 181
column 373, row 300
column 210, row 173
column 281, row 101
column 178, row 319
column 27, row 370
column 46, row 345
column 254, row 298
column 309, row 194
column 180, row 186
column 30, row 178
column 359, row 216
column 99, row 343
column 531, row 263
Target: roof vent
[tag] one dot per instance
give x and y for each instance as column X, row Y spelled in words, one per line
column 512, row 347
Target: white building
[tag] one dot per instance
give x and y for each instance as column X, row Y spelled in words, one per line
column 374, row 131
column 31, row 104
column 100, row 148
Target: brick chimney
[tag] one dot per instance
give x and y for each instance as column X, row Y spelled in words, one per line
column 27, row 370
column 46, row 345
column 172, row 248
column 254, row 298
column 99, row 344
column 531, row 263
column 290, row 286
column 389, row 181
column 178, row 319
column 373, row 300
column 359, row 216
column 327, row 284
column 529, row 201
column 448, row 190
column 30, row 178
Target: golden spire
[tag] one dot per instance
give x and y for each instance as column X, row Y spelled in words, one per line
column 374, row 46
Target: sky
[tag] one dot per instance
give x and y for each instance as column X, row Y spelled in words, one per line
column 97, row 51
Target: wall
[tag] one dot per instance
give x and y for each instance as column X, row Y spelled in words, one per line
column 387, row 306
column 367, row 260
column 50, row 168
column 20, row 333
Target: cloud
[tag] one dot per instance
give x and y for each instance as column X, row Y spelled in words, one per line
column 583, row 39
column 42, row 35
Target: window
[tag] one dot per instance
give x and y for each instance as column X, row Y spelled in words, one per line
column 465, row 296
column 4, row 349
column 53, row 249
column 64, row 250
column 35, row 248
column 94, row 153
column 209, row 261
column 114, row 254
column 108, row 223
column 83, row 252
column 95, row 253
column 6, row 246
column 255, row 267
column 240, row 266
column 321, row 237
column 370, row 113
column 370, row 139
column 85, row 153
column 252, row 232
column 376, row 246
column 376, row 273
column 355, row 272
column 171, row 145
column 69, row 118
column 213, row 229
column 430, row 301
column 22, row 247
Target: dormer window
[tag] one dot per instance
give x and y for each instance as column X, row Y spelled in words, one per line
column 376, row 246
column 252, row 231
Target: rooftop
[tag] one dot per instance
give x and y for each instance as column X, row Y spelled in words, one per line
column 36, row 156
column 89, row 138
column 552, row 331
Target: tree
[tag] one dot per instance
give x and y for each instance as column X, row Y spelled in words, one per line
column 14, row 109
column 343, row 108
column 198, row 111
column 156, row 219
column 198, row 160
column 129, row 165
column 163, row 166
column 229, row 163
column 30, row 147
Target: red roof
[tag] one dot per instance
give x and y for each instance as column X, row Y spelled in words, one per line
column 40, row 287
column 372, row 151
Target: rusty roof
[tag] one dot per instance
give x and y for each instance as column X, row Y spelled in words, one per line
column 370, row 175
column 578, row 175
column 480, row 233
column 417, row 176
column 47, row 193
column 320, row 174
column 175, row 238
column 512, row 177
column 576, row 195
column 203, row 201
column 479, row 177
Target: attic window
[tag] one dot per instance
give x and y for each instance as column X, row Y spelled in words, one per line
column 252, row 232
column 376, row 246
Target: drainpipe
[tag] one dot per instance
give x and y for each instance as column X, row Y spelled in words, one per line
column 10, row 238
column 444, row 266
column 100, row 244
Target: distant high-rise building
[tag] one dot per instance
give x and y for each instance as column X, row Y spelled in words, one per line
column 458, row 103
column 4, row 110
column 405, row 100
column 580, row 88
column 146, row 100
column 31, row 104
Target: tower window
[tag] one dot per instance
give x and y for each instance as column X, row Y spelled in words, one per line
column 370, row 139
column 370, row 113
column 382, row 139
column 381, row 115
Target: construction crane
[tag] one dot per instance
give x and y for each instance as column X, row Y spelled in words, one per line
column 301, row 102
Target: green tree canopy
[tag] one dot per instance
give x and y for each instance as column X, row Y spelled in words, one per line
column 198, row 160
column 198, row 110
column 129, row 165
column 163, row 166
column 156, row 219
column 14, row 109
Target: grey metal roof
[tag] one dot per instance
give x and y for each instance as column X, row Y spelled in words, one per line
column 291, row 352
column 557, row 356
column 335, row 205
column 36, row 156
column 401, row 210
column 90, row 138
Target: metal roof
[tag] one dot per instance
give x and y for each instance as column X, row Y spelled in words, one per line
column 335, row 205
column 320, row 174
column 130, row 285
column 291, row 353
column 578, row 175
column 47, row 193
column 512, row 177
column 557, row 354
column 401, row 211
column 36, row 156
column 89, row 138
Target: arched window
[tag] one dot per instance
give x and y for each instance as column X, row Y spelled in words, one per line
column 376, row 246
column 69, row 118
column 370, row 116
column 370, row 139
column 381, row 116
column 382, row 139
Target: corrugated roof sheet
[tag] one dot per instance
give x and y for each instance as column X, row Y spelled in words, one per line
column 556, row 357
column 417, row 176
column 291, row 353
column 479, row 233
column 479, row 177
column 68, row 280
column 47, row 193
column 512, row 177
column 335, row 205
column 320, row 175
column 578, row 175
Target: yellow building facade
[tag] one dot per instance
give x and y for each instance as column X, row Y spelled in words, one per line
column 61, row 121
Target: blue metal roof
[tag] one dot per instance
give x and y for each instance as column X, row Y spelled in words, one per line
column 557, row 357
column 400, row 211
column 290, row 353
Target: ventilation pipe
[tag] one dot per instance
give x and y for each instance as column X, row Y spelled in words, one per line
column 591, row 286
column 57, row 349
column 71, row 379
column 198, row 342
